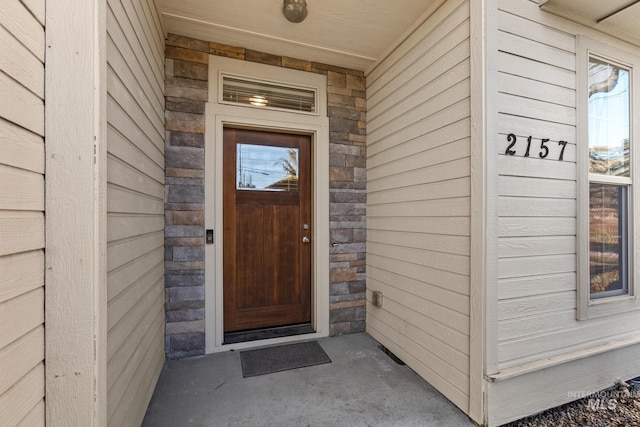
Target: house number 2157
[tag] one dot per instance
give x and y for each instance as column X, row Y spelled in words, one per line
column 544, row 149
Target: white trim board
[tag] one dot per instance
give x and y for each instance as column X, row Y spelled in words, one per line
column 218, row 116
column 512, row 397
column 483, row 291
column 76, row 214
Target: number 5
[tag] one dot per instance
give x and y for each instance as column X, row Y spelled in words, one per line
column 544, row 147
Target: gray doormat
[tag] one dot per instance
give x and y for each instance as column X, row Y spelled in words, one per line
column 282, row 358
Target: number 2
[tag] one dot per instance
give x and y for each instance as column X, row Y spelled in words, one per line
column 512, row 139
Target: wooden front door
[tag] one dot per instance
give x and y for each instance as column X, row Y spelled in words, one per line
column 267, row 229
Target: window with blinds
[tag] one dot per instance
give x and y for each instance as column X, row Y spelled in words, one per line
column 261, row 94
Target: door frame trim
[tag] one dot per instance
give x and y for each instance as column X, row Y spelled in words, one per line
column 217, row 116
column 247, row 118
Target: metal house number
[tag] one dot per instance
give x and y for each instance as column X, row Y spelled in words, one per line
column 542, row 153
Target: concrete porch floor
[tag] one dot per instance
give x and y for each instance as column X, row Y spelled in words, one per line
column 362, row 386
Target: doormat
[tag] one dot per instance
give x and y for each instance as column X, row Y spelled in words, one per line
column 282, row 358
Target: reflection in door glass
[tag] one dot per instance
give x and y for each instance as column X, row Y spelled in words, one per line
column 266, row 168
column 609, row 119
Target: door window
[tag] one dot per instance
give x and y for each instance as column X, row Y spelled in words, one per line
column 266, row 168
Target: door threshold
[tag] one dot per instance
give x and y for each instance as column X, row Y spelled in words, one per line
column 267, row 333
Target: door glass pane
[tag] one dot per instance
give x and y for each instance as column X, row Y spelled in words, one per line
column 608, row 118
column 266, row 168
column 607, row 239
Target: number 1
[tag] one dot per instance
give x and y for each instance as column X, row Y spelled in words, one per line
column 526, row 153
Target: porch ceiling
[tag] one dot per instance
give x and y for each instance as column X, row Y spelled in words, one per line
column 346, row 33
column 619, row 18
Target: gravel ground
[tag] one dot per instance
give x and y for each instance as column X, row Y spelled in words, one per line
column 619, row 407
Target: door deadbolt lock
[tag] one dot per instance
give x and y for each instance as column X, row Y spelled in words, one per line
column 305, row 239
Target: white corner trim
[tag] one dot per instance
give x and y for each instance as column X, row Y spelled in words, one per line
column 76, row 220
column 483, row 297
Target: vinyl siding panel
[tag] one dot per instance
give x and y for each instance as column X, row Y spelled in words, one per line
column 537, row 197
column 418, row 200
column 536, row 242
column 22, row 155
column 135, row 208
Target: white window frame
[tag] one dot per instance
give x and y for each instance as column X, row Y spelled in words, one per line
column 607, row 305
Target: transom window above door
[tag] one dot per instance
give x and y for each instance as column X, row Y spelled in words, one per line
column 270, row 95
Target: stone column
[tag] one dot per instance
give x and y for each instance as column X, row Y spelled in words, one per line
column 348, row 198
column 186, row 81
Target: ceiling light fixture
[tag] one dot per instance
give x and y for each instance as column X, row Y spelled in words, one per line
column 295, row 10
column 258, row 101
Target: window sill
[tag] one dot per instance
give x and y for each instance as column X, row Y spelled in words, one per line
column 609, row 306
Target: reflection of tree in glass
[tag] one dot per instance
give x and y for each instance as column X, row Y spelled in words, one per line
column 290, row 165
column 608, row 161
column 607, row 85
column 607, row 157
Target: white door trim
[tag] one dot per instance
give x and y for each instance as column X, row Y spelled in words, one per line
column 218, row 116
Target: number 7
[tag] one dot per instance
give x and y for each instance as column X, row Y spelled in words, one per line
column 564, row 145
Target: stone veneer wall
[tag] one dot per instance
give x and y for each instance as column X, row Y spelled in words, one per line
column 186, row 93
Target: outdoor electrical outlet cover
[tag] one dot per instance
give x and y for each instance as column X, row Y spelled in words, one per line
column 377, row 298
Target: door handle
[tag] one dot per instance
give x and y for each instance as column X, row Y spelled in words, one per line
column 305, row 239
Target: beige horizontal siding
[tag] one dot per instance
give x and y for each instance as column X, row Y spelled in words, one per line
column 418, row 200
column 135, row 207
column 537, row 197
column 22, row 381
